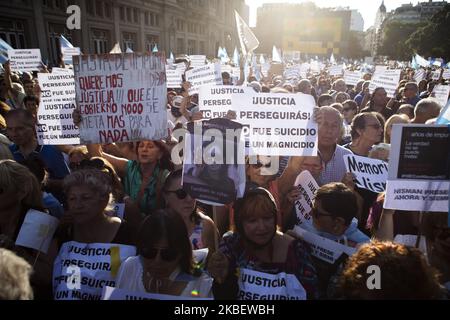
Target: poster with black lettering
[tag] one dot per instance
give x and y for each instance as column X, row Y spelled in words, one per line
column 82, row 270
column 370, row 174
column 255, row 285
column 110, row 293
column 206, row 75
column 419, row 168
column 54, row 117
column 280, row 124
column 215, row 101
column 388, row 79
column 121, row 97
column 214, row 163
column 351, row 78
column 25, row 59
column 322, row 248
column 307, row 186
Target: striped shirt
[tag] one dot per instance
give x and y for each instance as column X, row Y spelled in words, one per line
column 334, row 170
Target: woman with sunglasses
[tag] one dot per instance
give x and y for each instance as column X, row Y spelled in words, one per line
column 165, row 263
column 256, row 245
column 201, row 229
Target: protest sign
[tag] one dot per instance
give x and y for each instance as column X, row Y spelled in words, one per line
column 110, row 293
column 37, row 230
column 82, row 270
column 446, row 74
column 419, row 75
column 25, row 59
column 441, row 93
column 388, row 79
column 68, row 52
column 435, row 75
column 419, row 168
column 322, row 248
column 174, row 78
column 214, row 170
column 54, row 118
column 380, row 69
column 352, row 77
column 370, row 174
column 255, row 285
column 56, row 70
column 215, row 101
column 209, row 74
column 336, row 70
column 292, row 72
column 307, row 186
column 279, row 124
column 121, row 97
column 181, row 67
column 197, row 60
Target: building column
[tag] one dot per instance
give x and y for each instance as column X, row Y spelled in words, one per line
column 40, row 31
column 84, row 32
column 141, row 35
column 116, row 36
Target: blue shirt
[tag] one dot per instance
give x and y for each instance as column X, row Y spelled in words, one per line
column 50, row 155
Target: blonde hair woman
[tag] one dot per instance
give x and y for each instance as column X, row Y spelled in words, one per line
column 396, row 118
column 19, row 192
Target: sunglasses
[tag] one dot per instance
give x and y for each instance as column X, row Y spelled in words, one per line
column 165, row 254
column 180, row 193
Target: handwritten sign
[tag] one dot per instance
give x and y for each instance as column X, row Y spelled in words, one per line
column 122, row 97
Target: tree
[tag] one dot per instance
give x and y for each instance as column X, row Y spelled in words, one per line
column 396, row 34
column 431, row 40
column 354, row 49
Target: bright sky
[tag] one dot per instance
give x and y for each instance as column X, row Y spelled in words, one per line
column 367, row 8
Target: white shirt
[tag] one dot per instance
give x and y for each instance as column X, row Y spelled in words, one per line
column 130, row 277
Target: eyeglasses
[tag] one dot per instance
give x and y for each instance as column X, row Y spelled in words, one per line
column 181, row 193
column 317, row 214
column 165, row 254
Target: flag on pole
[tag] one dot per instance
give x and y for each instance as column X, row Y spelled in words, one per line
column 116, row 48
column 332, row 60
column 261, row 59
column 155, row 49
column 171, row 56
column 4, row 47
column 219, row 52
column 247, row 39
column 275, row 55
column 236, row 57
column 421, row 61
column 128, row 50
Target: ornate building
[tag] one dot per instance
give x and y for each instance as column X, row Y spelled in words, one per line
column 303, row 27
column 180, row 26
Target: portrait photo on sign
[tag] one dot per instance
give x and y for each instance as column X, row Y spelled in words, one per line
column 209, row 173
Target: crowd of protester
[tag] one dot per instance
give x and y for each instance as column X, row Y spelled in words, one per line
column 79, row 185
